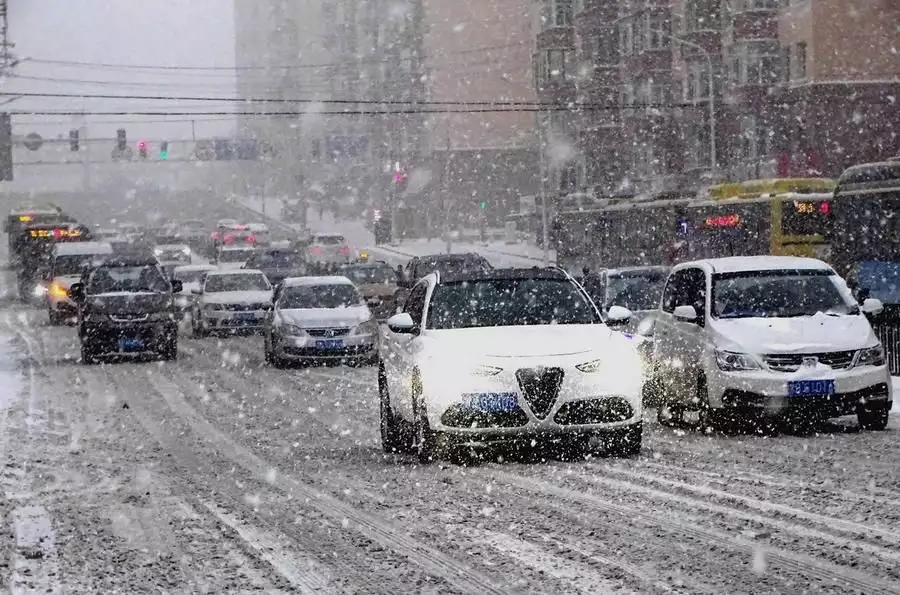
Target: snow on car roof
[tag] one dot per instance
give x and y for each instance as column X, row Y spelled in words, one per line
column 82, row 248
column 226, row 272
column 737, row 264
column 194, row 268
column 171, row 246
column 329, row 280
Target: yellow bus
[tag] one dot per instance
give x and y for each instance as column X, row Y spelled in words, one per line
column 787, row 216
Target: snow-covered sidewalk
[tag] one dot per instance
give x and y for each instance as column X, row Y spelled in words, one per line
column 500, row 253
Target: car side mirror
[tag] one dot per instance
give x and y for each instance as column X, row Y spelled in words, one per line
column 177, row 286
column 686, row 314
column 403, row 324
column 618, row 315
column 76, row 292
column 872, row 306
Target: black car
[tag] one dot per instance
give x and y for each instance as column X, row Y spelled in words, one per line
column 446, row 264
column 278, row 264
column 126, row 307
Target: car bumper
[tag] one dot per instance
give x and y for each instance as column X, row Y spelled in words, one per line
column 107, row 339
column 863, row 388
column 350, row 346
column 228, row 320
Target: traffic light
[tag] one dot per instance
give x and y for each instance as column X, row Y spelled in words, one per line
column 142, row 149
column 164, row 150
column 121, row 140
column 73, row 140
column 482, row 204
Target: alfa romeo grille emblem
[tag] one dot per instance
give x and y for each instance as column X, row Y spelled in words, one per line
column 810, row 361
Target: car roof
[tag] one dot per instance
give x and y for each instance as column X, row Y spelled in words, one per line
column 548, row 273
column 126, row 260
column 223, row 272
column 626, row 271
column 329, row 235
column 446, row 257
column 171, row 246
column 738, row 264
column 238, row 248
column 82, row 248
column 195, row 268
column 324, row 280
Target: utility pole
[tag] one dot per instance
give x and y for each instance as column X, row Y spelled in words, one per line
column 445, row 184
column 545, row 232
column 6, row 64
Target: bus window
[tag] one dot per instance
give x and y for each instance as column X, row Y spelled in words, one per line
column 805, row 217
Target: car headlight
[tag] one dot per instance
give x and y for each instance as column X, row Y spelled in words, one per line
column 39, row 291
column 369, row 327
column 730, row 361
column 589, row 367
column 186, row 251
column 157, row 252
column 483, row 370
column 871, row 356
column 292, row 330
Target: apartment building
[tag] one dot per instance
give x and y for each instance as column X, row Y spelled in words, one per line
column 842, row 89
column 478, row 52
column 732, row 89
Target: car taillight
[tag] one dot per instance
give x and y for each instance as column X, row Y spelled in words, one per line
column 251, row 239
column 228, row 240
column 315, row 250
column 214, row 235
column 344, row 250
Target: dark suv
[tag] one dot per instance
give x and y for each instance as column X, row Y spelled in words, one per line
column 126, row 307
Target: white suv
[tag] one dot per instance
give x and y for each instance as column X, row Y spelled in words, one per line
column 766, row 335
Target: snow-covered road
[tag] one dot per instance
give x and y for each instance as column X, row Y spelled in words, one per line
column 216, row 473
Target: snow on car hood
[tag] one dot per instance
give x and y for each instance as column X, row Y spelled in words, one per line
column 190, row 287
column 802, row 334
column 237, row 297
column 326, row 317
column 524, row 341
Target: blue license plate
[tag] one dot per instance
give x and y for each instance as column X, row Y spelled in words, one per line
column 810, row 388
column 330, row 344
column 131, row 344
column 493, row 402
column 245, row 317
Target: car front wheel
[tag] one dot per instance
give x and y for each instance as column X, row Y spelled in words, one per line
column 395, row 437
column 88, row 355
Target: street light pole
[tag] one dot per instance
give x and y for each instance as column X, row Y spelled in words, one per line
column 713, row 158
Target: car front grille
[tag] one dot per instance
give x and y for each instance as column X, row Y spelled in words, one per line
column 540, row 388
column 328, row 332
column 594, row 411
column 245, row 307
column 791, row 362
column 129, row 317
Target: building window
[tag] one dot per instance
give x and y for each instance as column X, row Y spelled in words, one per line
column 701, row 15
column 799, row 66
column 554, row 66
column 696, row 81
column 756, row 62
column 626, row 33
column 744, row 5
column 651, row 93
column 656, row 29
column 605, row 53
column 559, row 13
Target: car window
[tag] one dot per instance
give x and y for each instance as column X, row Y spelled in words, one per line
column 779, row 294
column 319, row 296
column 234, row 255
column 329, row 240
column 236, row 282
column 127, row 279
column 72, row 264
column 415, row 302
column 384, row 275
column 693, row 291
column 509, row 302
column 190, row 276
column 637, row 290
column 670, row 293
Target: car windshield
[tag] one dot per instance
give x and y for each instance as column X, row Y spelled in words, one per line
column 173, row 253
column 235, row 255
column 277, row 260
column 508, row 302
column 881, row 279
column 111, row 279
column 778, row 294
column 72, row 264
column 365, row 275
column 190, row 276
column 335, row 295
column 638, row 290
column 451, row 266
column 236, row 282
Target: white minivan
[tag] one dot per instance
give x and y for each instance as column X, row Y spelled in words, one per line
column 766, row 335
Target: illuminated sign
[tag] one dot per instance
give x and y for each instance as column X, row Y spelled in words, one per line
column 25, row 218
column 723, row 221
column 805, row 207
column 55, row 233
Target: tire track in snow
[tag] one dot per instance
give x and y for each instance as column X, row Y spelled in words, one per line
column 456, row 573
column 825, row 571
column 35, row 561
